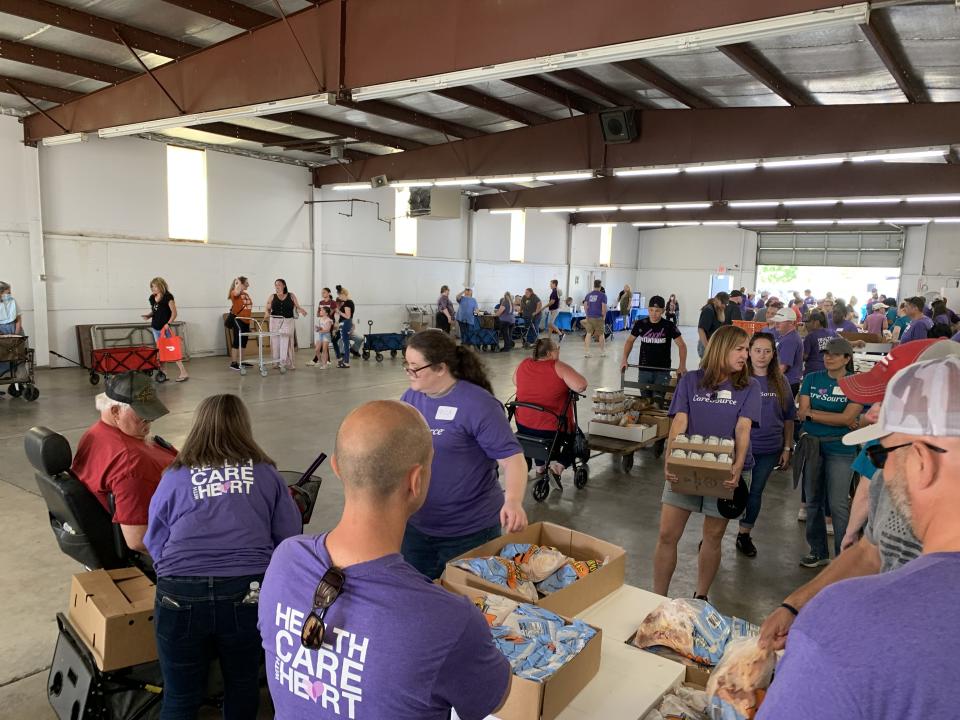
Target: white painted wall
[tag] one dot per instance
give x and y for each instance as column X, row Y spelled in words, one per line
column 931, row 259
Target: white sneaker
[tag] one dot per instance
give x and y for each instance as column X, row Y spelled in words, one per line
column 323, row 366
column 802, row 515
column 603, row 354
column 587, row 355
column 312, row 363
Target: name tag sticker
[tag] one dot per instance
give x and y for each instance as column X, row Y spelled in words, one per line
column 724, row 395
column 838, row 390
column 445, row 412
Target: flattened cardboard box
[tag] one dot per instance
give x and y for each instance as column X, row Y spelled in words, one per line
column 530, row 700
column 634, row 433
column 700, row 478
column 112, row 610
column 571, row 600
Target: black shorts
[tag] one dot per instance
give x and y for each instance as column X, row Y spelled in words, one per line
column 240, row 326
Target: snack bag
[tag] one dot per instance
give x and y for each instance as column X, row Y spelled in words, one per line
column 567, row 574
column 537, row 561
column 500, row 571
column 537, row 642
column 495, row 608
column 693, row 628
column 737, row 686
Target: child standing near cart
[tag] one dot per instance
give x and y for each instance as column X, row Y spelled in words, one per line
column 163, row 311
column 324, row 330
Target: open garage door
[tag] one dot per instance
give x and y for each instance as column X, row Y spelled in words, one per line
column 880, row 249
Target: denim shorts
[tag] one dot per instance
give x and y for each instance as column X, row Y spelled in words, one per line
column 697, row 503
column 323, row 337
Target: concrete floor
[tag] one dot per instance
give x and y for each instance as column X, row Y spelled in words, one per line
column 295, row 418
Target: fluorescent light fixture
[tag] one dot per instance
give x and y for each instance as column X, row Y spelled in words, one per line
column 753, row 203
column 804, row 162
column 647, row 224
column 817, row 202
column 505, row 212
column 687, row 206
column 718, row 223
column 267, row 108
column 411, row 183
column 812, row 222
column 347, row 187
column 947, row 220
column 587, row 175
column 67, row 139
column 759, row 222
column 682, row 223
column 601, row 225
column 932, row 198
column 897, row 156
column 871, row 201
column 722, row 167
column 646, row 206
column 847, row 15
column 558, row 210
column 598, row 208
column 907, row 220
column 859, row 221
column 457, row 182
column 504, row 180
column 639, row 172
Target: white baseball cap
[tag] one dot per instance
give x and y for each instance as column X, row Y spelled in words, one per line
column 784, row 315
column 923, row 399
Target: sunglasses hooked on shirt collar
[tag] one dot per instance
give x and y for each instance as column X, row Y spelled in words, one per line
column 878, row 454
column 327, row 592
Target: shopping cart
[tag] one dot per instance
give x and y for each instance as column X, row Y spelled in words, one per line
column 16, row 367
column 379, row 343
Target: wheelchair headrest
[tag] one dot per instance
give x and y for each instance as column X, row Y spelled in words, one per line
column 47, row 451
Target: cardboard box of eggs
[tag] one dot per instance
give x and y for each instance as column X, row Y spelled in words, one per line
column 703, row 464
column 618, row 415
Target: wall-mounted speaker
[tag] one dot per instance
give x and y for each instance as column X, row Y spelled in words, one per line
column 619, row 125
column 378, row 181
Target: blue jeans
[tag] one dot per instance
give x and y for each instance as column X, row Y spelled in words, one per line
column 430, row 554
column 198, row 619
column 531, row 332
column 836, row 475
column 763, row 465
column 6, row 329
column 653, row 377
column 345, row 327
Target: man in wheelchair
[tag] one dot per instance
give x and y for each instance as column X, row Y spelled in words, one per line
column 116, row 457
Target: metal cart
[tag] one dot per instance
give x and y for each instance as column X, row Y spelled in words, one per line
column 16, row 367
column 379, row 343
column 257, row 331
column 420, row 316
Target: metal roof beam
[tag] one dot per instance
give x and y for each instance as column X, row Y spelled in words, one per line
column 557, row 93
column 482, row 101
column 589, row 83
column 678, row 137
column 334, row 127
column 412, row 117
column 101, row 28
column 226, row 11
column 265, row 138
column 37, row 91
column 645, row 71
column 750, row 60
column 879, row 31
column 52, row 60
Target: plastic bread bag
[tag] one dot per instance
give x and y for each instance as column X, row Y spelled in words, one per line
column 500, row 571
column 567, row 574
column 693, row 628
column 537, row 561
column 537, row 642
column 738, row 684
column 495, row 608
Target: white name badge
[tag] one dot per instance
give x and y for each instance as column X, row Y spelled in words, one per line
column 445, row 412
column 838, row 390
column 724, row 395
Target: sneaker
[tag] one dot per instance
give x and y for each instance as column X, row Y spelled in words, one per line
column 829, row 526
column 802, row 515
column 312, row 363
column 234, row 366
column 603, row 354
column 322, row 366
column 587, row 355
column 745, row 545
column 813, row 561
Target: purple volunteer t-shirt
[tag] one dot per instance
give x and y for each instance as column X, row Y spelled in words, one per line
column 917, row 330
column 396, row 646
column 813, row 346
column 470, row 433
column 219, row 521
column 768, row 438
column 716, row 411
column 790, row 352
column 595, row 301
column 865, row 647
column 956, row 338
column 845, row 326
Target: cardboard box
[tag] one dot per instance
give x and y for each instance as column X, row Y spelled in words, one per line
column 700, row 478
column 661, row 422
column 864, row 337
column 112, row 611
column 572, row 599
column 632, row 433
column 529, row 700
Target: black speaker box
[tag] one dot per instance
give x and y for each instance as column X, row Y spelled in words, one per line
column 619, row 125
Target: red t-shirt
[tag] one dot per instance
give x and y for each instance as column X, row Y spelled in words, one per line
column 110, row 461
column 538, row 383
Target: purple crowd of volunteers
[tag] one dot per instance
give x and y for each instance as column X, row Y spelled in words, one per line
column 333, row 613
